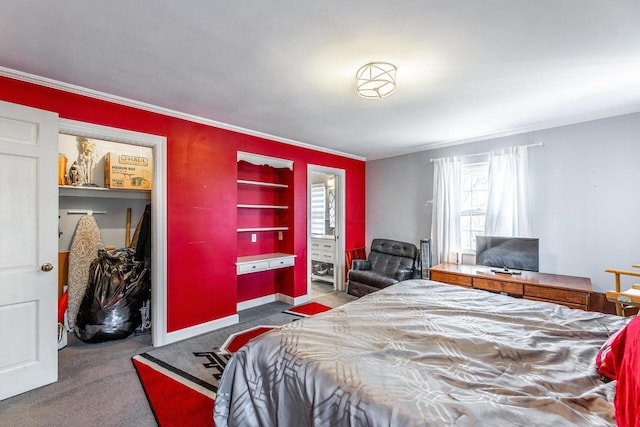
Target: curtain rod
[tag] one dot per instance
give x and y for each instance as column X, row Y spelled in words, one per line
column 537, row 144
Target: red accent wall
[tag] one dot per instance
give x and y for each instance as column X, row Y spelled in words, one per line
column 201, row 199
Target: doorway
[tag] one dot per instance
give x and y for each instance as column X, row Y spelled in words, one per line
column 326, row 214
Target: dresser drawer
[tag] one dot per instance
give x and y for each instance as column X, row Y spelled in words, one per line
column 557, row 294
column 327, row 257
column 327, row 245
column 452, row 279
column 566, row 304
column 253, row 267
column 283, row 262
column 497, row 286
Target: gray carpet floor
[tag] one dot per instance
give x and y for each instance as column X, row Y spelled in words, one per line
column 98, row 385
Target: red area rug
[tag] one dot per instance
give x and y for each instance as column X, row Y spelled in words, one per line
column 174, row 400
column 235, row 341
column 308, row 309
column 181, row 380
column 180, row 399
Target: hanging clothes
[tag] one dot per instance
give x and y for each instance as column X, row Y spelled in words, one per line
column 142, row 243
column 85, row 245
column 142, row 238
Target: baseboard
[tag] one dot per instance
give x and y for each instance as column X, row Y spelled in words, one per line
column 294, row 301
column 243, row 305
column 200, row 329
column 203, row 328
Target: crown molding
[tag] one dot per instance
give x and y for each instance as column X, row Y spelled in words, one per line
column 517, row 131
column 79, row 90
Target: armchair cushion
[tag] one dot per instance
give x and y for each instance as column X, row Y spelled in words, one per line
column 361, row 264
column 403, row 274
column 390, row 261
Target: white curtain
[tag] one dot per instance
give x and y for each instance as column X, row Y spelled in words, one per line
column 508, row 203
column 445, row 223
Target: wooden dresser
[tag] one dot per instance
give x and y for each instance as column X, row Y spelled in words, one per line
column 570, row 291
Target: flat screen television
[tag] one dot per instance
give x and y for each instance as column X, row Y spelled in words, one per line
column 518, row 253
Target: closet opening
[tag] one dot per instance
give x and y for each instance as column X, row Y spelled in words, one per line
column 111, row 197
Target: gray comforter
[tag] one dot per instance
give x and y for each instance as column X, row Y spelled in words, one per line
column 423, row 353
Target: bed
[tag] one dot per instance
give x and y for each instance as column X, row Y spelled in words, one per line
column 423, row 353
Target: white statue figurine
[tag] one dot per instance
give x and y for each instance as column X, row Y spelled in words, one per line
column 87, row 159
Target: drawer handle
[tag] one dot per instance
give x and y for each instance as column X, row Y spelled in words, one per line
column 253, row 266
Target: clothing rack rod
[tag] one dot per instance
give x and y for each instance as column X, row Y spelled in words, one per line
column 88, row 212
column 537, row 144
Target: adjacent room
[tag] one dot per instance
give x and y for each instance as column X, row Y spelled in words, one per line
column 382, row 213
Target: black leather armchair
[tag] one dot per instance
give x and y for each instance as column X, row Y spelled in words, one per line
column 389, row 262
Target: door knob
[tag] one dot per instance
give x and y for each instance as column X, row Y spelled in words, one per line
column 47, row 266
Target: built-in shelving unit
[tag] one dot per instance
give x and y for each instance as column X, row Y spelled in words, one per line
column 264, row 219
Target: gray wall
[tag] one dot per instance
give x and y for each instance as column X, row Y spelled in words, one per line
column 585, row 195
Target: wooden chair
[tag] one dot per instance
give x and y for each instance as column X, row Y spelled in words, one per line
column 624, row 300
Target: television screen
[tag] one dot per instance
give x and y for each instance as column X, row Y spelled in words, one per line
column 519, row 253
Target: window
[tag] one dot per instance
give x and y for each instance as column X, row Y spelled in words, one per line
column 317, row 209
column 474, row 192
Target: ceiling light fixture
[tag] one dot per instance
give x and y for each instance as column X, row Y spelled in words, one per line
column 376, row 80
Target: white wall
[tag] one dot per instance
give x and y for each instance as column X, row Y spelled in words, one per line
column 585, row 195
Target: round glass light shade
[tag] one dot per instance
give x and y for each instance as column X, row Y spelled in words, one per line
column 376, row 80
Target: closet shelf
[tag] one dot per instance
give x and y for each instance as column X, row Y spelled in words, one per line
column 76, row 191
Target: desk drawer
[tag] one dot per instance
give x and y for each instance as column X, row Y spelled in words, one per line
column 254, row 266
column 452, row 279
column 557, row 294
column 279, row 263
column 498, row 286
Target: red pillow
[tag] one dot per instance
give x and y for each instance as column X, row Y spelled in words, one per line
column 619, row 359
column 626, row 349
column 605, row 359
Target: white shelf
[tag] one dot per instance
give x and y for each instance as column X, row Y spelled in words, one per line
column 241, row 230
column 263, row 206
column 78, row 191
column 262, row 184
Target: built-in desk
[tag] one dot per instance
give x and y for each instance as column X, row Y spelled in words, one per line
column 262, row 262
column 570, row 291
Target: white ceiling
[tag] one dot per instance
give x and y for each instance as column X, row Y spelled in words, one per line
column 286, row 68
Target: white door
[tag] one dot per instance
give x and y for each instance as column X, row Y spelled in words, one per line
column 28, row 249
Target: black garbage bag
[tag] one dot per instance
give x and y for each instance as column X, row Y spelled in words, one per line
column 117, row 287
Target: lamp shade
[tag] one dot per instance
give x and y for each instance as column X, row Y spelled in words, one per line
column 376, row 80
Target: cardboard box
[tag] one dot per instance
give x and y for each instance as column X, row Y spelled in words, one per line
column 127, row 172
